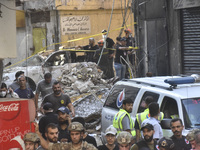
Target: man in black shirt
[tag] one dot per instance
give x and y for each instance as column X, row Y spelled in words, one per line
column 91, row 46
column 58, row 99
column 111, row 133
column 179, row 140
column 49, row 117
column 64, row 121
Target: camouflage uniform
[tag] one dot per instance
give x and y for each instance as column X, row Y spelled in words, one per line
column 74, row 126
column 69, row 146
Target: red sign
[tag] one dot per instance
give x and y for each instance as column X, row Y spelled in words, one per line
column 15, row 121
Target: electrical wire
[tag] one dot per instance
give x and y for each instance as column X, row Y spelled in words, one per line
column 10, row 8
column 107, row 32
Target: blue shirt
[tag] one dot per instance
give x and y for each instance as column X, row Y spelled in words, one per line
column 24, row 93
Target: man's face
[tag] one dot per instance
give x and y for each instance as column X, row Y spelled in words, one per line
column 57, row 89
column 62, row 117
column 148, row 134
column 30, row 145
column 177, row 129
column 52, row 135
column 22, row 81
column 91, row 42
column 193, row 144
column 128, row 107
column 124, row 146
column 48, row 80
column 110, row 138
column 76, row 136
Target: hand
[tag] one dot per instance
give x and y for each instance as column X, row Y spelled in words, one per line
column 10, row 90
column 36, row 128
column 73, row 114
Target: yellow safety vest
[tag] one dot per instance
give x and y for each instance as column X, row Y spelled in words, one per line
column 144, row 115
column 117, row 121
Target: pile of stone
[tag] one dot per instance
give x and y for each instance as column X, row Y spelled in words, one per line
column 81, row 78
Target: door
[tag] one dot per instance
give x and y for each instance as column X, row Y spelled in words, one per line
column 39, row 39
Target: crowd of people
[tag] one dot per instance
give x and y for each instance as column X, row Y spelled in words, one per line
column 59, row 129
column 112, row 58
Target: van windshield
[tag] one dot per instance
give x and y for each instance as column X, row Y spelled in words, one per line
column 191, row 112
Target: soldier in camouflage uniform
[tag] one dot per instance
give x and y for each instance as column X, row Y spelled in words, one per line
column 124, row 139
column 31, row 141
column 76, row 133
column 191, row 137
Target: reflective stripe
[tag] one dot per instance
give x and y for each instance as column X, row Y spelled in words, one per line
column 139, row 119
column 119, row 121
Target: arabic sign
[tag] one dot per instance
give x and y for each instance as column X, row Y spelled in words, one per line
column 75, row 25
column 179, row 4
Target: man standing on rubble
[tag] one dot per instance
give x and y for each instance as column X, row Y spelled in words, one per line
column 104, row 64
column 92, row 46
column 58, row 99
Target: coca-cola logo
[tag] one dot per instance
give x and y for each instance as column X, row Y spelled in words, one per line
column 11, row 107
column 9, row 110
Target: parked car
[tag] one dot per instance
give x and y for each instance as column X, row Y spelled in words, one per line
column 178, row 97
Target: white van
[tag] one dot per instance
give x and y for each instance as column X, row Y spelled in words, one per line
column 178, row 97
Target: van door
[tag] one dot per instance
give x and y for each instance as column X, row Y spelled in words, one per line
column 111, row 107
column 169, row 107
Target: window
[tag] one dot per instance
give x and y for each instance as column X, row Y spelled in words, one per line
column 169, row 108
column 130, row 92
column 191, row 112
column 142, row 103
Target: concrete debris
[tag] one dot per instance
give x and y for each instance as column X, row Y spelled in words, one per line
column 81, row 78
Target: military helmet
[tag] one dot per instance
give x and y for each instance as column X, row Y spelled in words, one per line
column 166, row 142
column 191, row 134
column 75, row 126
column 32, row 137
column 124, row 137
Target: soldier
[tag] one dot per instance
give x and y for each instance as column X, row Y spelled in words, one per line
column 31, row 141
column 124, row 139
column 76, row 133
column 191, row 137
column 165, row 144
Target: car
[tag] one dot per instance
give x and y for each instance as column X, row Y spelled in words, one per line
column 35, row 66
column 176, row 95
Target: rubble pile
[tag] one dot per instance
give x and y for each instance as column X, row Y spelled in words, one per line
column 81, row 78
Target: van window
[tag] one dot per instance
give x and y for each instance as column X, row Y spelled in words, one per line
column 191, row 112
column 169, row 108
column 130, row 92
column 142, row 102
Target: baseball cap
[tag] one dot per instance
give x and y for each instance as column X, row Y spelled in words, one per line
column 124, row 137
column 166, row 143
column 111, row 130
column 63, row 109
column 147, row 125
column 47, row 106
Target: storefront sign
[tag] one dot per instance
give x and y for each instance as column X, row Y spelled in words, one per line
column 179, row 4
column 75, row 25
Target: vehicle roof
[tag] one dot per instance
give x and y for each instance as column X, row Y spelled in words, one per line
column 189, row 90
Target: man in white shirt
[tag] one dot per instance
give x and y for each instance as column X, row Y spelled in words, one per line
column 154, row 112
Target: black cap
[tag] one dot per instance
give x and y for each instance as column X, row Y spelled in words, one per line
column 166, row 143
column 147, row 126
column 63, row 109
column 47, row 106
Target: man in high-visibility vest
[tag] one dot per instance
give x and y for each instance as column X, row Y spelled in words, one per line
column 122, row 120
column 140, row 117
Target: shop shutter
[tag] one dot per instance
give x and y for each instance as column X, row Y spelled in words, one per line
column 191, row 40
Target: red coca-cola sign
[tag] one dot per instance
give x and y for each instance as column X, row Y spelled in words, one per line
column 9, row 111
column 16, row 117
